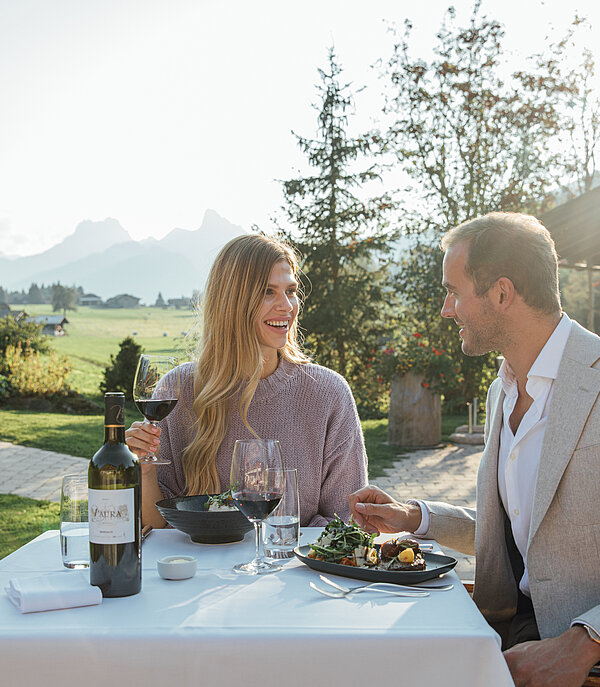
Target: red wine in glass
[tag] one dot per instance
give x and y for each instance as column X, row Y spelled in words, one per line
column 156, row 392
column 257, row 483
column 257, row 506
column 156, row 410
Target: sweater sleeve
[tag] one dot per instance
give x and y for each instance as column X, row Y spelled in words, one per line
column 344, row 460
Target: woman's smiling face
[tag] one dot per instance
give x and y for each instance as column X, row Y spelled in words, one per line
column 278, row 311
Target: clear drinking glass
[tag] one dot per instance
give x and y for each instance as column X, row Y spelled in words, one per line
column 281, row 529
column 257, row 483
column 74, row 527
column 156, row 392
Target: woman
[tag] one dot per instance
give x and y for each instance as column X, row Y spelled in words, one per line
column 252, row 379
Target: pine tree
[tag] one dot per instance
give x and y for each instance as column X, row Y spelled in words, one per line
column 343, row 240
column 119, row 373
column 160, row 301
column 35, row 294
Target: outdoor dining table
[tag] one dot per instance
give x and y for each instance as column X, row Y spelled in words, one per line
column 220, row 627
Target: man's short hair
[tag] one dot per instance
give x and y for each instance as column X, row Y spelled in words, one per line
column 512, row 245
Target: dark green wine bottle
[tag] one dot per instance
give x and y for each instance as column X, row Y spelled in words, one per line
column 114, row 503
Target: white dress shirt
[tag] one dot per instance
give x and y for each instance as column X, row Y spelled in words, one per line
column 519, row 454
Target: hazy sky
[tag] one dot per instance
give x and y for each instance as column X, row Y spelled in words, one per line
column 152, row 111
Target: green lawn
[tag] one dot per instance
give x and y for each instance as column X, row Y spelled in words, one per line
column 23, row 519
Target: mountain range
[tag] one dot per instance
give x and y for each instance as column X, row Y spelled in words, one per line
column 102, row 258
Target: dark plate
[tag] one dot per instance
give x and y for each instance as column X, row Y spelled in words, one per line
column 189, row 514
column 436, row 565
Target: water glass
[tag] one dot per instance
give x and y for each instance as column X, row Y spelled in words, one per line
column 74, row 526
column 281, row 529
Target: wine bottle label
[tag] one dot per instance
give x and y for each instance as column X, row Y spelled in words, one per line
column 111, row 515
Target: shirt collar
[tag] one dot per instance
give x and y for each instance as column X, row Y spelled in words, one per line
column 548, row 360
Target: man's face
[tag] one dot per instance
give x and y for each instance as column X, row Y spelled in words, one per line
column 480, row 325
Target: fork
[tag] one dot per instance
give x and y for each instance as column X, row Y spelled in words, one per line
column 366, row 588
column 375, row 586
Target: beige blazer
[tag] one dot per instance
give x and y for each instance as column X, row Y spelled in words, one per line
column 563, row 550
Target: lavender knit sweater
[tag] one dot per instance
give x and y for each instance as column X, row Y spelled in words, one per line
column 310, row 409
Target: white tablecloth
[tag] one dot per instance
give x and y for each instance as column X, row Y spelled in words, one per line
column 220, row 628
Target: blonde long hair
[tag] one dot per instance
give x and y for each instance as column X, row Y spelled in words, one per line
column 229, row 356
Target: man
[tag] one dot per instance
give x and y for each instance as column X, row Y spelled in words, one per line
column 536, row 531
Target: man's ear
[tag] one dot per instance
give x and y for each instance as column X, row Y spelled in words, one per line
column 503, row 293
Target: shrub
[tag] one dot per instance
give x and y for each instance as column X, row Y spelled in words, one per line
column 29, row 373
column 119, row 373
column 28, row 334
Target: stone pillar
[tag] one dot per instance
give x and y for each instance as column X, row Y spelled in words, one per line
column 415, row 415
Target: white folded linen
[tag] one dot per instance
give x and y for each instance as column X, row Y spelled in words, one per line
column 53, row 591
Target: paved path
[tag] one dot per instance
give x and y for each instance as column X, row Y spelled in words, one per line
column 446, row 473
column 35, row 473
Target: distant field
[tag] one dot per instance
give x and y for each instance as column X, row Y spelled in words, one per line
column 93, row 334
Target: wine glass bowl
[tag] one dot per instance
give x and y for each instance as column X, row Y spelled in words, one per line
column 257, row 483
column 156, row 389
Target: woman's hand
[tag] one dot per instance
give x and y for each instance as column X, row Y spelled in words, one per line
column 143, row 438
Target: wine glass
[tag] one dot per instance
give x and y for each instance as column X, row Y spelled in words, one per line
column 156, row 392
column 257, row 483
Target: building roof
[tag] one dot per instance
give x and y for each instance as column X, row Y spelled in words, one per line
column 575, row 228
column 49, row 319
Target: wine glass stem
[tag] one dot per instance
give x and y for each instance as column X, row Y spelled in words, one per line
column 257, row 525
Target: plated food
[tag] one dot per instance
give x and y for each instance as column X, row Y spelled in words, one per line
column 348, row 544
column 347, row 550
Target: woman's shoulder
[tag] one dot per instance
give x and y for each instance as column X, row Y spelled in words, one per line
column 321, row 377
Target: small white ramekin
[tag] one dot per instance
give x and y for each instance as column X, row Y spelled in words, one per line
column 176, row 567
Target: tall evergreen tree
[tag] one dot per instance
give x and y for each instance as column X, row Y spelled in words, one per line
column 343, row 239
column 35, row 294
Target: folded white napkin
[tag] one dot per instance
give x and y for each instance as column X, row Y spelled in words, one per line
column 53, row 591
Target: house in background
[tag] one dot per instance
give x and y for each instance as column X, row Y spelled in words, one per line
column 90, row 299
column 123, row 300
column 53, row 325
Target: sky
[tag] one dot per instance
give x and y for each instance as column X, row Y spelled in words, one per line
column 153, row 111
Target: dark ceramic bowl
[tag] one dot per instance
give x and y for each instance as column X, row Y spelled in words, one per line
column 189, row 514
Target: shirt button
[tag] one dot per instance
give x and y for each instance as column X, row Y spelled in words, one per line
column 512, row 456
column 516, row 511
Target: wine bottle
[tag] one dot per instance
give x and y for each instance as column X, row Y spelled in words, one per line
column 114, row 506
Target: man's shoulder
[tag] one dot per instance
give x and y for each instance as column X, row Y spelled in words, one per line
column 583, row 345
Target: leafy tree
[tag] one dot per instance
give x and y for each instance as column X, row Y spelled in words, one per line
column 579, row 131
column 343, row 239
column 3, row 295
column 120, row 372
column 469, row 141
column 63, row 298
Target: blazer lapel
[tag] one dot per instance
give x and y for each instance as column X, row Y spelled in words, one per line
column 577, row 386
column 495, row 592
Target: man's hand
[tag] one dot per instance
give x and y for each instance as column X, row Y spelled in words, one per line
column 562, row 661
column 376, row 511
